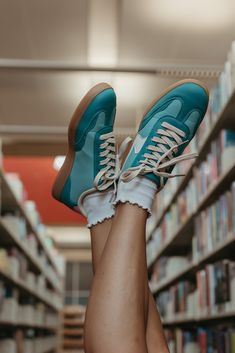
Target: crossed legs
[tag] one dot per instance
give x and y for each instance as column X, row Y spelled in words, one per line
column 121, row 314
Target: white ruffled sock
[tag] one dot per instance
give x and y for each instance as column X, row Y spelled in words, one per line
column 98, row 207
column 139, row 191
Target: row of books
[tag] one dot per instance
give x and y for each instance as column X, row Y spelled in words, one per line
column 20, row 193
column 226, row 82
column 28, row 344
column 219, row 97
column 15, row 307
column 189, row 199
column 21, row 229
column 14, row 265
column 218, row 161
column 216, row 287
column 214, row 225
column 167, row 267
column 178, row 301
column 201, row 340
column 212, row 293
column 17, row 227
column 177, row 215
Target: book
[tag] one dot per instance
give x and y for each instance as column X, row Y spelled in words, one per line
column 214, row 225
column 201, row 340
column 227, row 141
column 212, row 294
column 214, row 288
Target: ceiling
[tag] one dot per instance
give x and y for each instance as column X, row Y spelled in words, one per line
column 53, row 51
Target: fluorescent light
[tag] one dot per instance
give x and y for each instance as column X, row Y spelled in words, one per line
column 58, row 162
column 190, row 15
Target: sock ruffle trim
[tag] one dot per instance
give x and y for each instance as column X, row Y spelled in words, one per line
column 99, row 221
column 134, row 203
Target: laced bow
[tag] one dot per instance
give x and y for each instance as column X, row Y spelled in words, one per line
column 111, row 164
column 161, row 155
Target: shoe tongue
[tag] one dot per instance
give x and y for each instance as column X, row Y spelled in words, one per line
column 179, row 125
column 105, row 130
column 192, row 120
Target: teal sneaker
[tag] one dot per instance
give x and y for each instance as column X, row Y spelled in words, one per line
column 91, row 162
column 167, row 127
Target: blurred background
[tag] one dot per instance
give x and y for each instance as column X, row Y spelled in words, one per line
column 51, row 53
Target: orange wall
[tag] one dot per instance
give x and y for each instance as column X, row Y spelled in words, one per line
column 38, row 175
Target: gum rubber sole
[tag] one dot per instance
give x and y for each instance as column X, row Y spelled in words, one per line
column 66, row 168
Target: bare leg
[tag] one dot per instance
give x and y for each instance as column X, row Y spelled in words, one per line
column 116, row 313
column 154, row 335
column 99, row 236
column 156, row 342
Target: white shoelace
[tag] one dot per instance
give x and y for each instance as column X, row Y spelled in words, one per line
column 161, row 155
column 111, row 164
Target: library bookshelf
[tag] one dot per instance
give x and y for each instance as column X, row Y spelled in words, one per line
column 218, row 253
column 30, row 310
column 183, row 326
column 10, row 202
column 183, row 235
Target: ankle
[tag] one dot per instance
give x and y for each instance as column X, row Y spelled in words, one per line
column 131, row 210
column 98, row 207
column 137, row 192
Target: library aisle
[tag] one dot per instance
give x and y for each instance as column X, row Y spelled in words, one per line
column 51, row 54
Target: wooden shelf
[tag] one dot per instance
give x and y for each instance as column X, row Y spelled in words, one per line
column 73, row 329
column 201, row 319
column 11, row 203
column 157, row 288
column 73, row 343
column 183, row 236
column 74, row 311
column 226, row 248
column 73, row 332
column 73, row 322
column 225, row 120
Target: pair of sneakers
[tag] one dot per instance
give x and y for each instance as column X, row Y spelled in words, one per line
column 92, row 173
